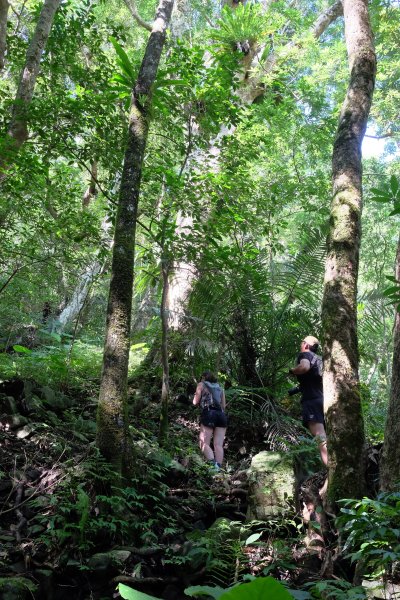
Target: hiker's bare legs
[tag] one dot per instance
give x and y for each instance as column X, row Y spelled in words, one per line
column 205, row 441
column 318, row 431
column 219, row 437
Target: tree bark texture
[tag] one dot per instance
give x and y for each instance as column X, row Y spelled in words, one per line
column 163, row 432
column 4, row 5
column 112, row 421
column 18, row 129
column 390, row 462
column 339, row 309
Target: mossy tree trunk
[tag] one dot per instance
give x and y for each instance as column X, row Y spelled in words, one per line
column 390, row 463
column 18, row 128
column 4, row 5
column 339, row 310
column 112, row 418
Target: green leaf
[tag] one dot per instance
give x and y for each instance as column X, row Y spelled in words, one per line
column 395, row 211
column 138, row 346
column 385, row 199
column 124, row 61
column 120, row 78
column 394, row 185
column 392, row 290
column 23, row 349
column 252, row 538
column 197, row 591
column 131, row 594
column 265, row 588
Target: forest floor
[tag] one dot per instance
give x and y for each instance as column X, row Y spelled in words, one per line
column 66, row 532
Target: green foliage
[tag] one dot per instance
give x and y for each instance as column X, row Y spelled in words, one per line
column 60, row 361
column 244, row 24
column 259, row 589
column 393, row 292
column 335, row 589
column 75, row 513
column 371, row 531
column 17, row 587
column 389, row 193
column 130, row 594
column 201, row 591
column 128, row 76
column 84, row 509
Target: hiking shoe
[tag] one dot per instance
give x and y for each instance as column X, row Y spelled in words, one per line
column 214, row 466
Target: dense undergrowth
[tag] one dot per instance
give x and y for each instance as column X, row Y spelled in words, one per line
column 174, row 525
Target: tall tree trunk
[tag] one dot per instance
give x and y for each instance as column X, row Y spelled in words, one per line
column 4, row 5
column 79, row 296
column 339, row 308
column 112, row 422
column 390, row 462
column 18, row 129
column 163, row 432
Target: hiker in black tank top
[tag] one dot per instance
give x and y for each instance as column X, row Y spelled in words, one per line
column 308, row 371
column 213, row 420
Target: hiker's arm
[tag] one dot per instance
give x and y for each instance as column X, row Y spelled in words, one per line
column 197, row 396
column 301, row 368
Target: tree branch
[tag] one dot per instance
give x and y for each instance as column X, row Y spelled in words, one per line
column 381, row 137
column 326, row 18
column 18, row 127
column 131, row 5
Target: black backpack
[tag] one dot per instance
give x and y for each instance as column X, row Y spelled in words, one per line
column 316, row 364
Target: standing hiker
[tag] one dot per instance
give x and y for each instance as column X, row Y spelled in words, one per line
column 213, row 420
column 308, row 371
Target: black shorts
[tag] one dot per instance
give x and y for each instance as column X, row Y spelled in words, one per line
column 213, row 418
column 313, row 411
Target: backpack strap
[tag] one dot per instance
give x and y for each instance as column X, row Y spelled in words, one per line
column 317, row 361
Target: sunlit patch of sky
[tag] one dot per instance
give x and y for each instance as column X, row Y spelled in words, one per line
column 373, row 147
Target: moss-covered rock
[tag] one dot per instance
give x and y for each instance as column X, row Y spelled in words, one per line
column 271, row 485
column 16, row 588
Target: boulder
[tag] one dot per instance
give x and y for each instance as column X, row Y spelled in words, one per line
column 13, row 421
column 8, row 405
column 105, row 561
column 56, row 400
column 378, row 589
column 271, row 486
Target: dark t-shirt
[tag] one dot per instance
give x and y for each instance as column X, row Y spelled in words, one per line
column 310, row 383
